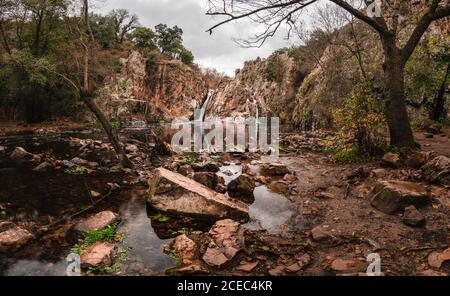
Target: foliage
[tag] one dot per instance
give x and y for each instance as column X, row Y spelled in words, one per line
column 144, row 39
column 186, row 56
column 275, row 70
column 108, row 234
column 361, row 118
column 77, row 171
column 161, row 218
column 170, row 40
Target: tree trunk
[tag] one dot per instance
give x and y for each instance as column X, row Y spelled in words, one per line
column 395, row 110
column 125, row 161
column 439, row 103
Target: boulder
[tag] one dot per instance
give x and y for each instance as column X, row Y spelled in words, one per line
column 391, row 160
column 13, row 237
column 413, row 217
column 43, row 167
column 274, row 169
column 206, row 166
column 174, row 193
column 242, row 187
column 394, row 196
column 97, row 222
column 21, row 155
column 99, row 254
column 182, row 247
column 227, row 240
column 281, row 187
column 79, row 161
column 438, row 170
column 210, row 180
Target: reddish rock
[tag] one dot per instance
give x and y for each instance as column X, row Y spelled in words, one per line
column 347, row 266
column 247, row 266
column 393, row 196
column 436, row 259
column 391, row 160
column 97, row 222
column 183, row 247
column 13, row 237
column 274, row 169
column 227, row 240
column 100, row 253
column 413, row 217
column 242, row 187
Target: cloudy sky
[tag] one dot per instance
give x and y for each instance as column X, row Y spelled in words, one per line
column 217, row 50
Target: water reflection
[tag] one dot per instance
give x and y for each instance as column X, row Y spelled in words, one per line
column 270, row 211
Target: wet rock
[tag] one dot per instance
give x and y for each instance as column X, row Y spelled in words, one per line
column 413, row 217
column 207, row 166
column 347, row 266
column 281, row 187
column 274, row 169
column 227, row 240
column 438, row 170
column 436, row 259
column 210, row 180
column 393, row 196
column 182, row 247
column 174, row 193
column 97, row 222
column 391, row 160
column 247, row 266
column 21, row 155
column 242, row 187
column 43, row 167
column 99, row 254
column 13, row 237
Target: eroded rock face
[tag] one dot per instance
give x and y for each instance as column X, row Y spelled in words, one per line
column 160, row 89
column 97, row 222
column 173, row 193
column 227, row 240
column 100, row 253
column 393, row 196
column 438, row 170
column 13, row 237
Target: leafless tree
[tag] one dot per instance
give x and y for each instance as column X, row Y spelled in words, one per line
column 394, row 17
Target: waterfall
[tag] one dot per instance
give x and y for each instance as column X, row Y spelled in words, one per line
column 202, row 113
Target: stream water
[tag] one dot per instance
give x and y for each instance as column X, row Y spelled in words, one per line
column 37, row 199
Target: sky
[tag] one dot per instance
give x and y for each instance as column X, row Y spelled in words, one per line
column 218, row 50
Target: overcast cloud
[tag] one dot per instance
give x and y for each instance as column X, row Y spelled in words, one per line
column 215, row 51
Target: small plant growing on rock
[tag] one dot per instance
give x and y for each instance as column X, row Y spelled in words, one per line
column 161, row 218
column 77, row 171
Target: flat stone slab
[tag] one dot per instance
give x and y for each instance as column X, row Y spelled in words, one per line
column 97, row 222
column 174, row 193
column 394, row 196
